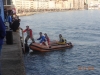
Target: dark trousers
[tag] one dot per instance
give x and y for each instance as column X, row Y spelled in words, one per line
column 27, row 38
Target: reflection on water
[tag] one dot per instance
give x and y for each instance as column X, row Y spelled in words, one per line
column 79, row 27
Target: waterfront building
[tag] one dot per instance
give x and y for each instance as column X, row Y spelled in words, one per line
column 63, row 4
column 7, row 4
column 22, row 6
column 78, row 4
column 93, row 4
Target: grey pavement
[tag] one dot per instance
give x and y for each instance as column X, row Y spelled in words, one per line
column 12, row 57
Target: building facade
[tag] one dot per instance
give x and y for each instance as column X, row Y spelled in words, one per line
column 7, row 4
column 78, row 4
column 34, row 5
column 92, row 4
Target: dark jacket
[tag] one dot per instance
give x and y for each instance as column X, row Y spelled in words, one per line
column 2, row 31
column 15, row 25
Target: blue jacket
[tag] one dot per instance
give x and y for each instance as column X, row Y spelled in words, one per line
column 42, row 39
column 2, row 31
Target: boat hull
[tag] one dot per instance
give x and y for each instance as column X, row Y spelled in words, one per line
column 43, row 48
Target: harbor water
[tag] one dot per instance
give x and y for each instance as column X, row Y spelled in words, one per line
column 82, row 28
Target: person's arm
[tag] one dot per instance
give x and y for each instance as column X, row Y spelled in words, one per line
column 39, row 38
column 25, row 30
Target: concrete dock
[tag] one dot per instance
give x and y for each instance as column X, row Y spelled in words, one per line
column 12, row 58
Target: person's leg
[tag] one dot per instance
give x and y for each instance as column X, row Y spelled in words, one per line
column 26, row 39
column 46, row 44
column 32, row 40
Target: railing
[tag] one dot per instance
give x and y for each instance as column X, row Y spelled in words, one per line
column 22, row 39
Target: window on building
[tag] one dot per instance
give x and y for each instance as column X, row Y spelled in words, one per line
column 4, row 2
column 8, row 2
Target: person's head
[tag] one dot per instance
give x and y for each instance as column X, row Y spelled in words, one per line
column 60, row 35
column 45, row 34
column 27, row 27
column 40, row 33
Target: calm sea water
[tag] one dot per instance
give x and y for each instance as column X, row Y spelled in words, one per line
column 82, row 28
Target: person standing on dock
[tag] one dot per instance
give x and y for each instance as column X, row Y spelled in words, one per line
column 29, row 34
column 15, row 24
column 10, row 20
column 2, row 33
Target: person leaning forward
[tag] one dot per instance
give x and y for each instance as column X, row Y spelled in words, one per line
column 42, row 39
column 29, row 34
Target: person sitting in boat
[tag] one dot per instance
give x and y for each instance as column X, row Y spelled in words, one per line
column 47, row 38
column 42, row 39
column 29, row 34
column 61, row 40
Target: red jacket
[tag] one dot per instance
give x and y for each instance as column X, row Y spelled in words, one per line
column 48, row 40
column 29, row 32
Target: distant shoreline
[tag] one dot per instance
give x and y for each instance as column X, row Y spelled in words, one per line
column 32, row 13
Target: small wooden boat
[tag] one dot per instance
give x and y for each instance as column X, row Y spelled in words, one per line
column 52, row 47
